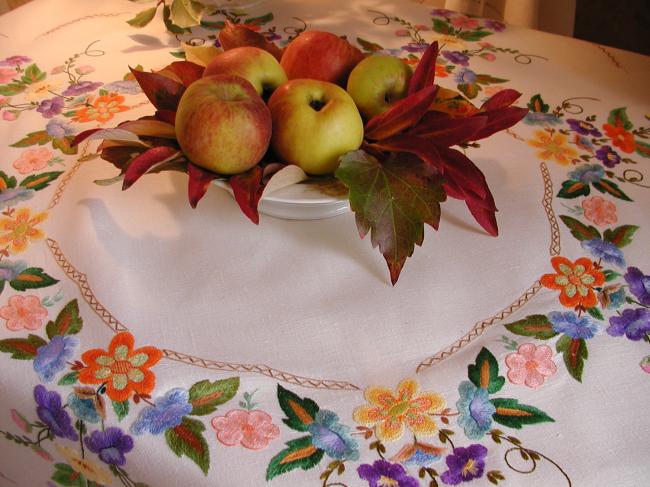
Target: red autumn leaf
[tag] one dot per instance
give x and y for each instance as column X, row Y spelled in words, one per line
column 247, row 189
column 121, row 155
column 484, row 216
column 80, row 137
column 444, row 130
column 187, row 71
column 425, row 73
column 168, row 116
column 163, row 92
column 501, row 99
column 499, row 119
column 198, row 183
column 145, row 161
column 238, row 35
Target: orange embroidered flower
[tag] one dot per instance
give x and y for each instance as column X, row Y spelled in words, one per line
column 441, row 71
column 122, row 369
column 621, row 138
column 390, row 412
column 575, row 281
column 102, row 110
column 553, row 147
column 17, row 230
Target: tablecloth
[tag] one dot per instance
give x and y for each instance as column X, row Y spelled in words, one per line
column 146, row 343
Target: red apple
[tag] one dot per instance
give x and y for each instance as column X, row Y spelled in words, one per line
column 320, row 55
column 222, row 124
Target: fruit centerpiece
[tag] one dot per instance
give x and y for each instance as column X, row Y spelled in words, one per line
column 254, row 111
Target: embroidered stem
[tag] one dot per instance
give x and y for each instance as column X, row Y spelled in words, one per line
column 80, row 427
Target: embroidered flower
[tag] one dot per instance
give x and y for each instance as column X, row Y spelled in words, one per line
column 475, row 410
column 456, row 57
column 587, row 173
column 390, row 412
column 58, row 128
column 82, row 87
column 464, row 464
column 23, row 312
column 415, row 47
column 464, row 22
column 110, row 445
column 530, row 365
column 633, row 323
column 599, row 211
column 606, row 251
column 575, row 281
column 328, row 434
column 124, row 370
column 52, row 357
column 612, row 296
column 465, row 76
column 418, row 453
column 50, row 411
column 494, row 25
column 20, row 421
column 18, row 230
column 645, row 364
column 608, row 156
column 167, row 413
column 553, row 147
column 15, row 61
column 83, row 70
column 11, row 270
column 385, row 474
column 621, row 138
column 33, row 160
column 102, row 110
column 7, row 75
column 639, row 285
column 86, row 404
column 541, row 118
column 572, row 325
column 128, row 87
column 10, row 115
column 50, row 108
column 442, row 12
column 89, row 469
column 582, row 127
column 450, row 42
column 583, row 142
column 13, row 196
column 489, row 56
column 441, row 71
column 41, row 89
column 251, row 429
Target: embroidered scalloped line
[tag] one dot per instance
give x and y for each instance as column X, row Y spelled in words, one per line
column 547, row 202
column 610, row 56
column 56, row 197
column 80, row 19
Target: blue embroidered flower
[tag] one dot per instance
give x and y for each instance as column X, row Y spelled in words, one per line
column 465, row 76
column 639, row 285
column 415, row 47
column 588, row 173
column 633, row 323
column 9, row 270
column 475, row 410
column 604, row 250
column 456, row 57
column 333, row 437
column 167, row 413
column 58, row 128
column 13, row 196
column 128, row 87
column 573, row 325
column 52, row 357
column 616, row 299
column 418, row 453
column 540, row 118
column 83, row 408
column 50, row 411
column 110, row 445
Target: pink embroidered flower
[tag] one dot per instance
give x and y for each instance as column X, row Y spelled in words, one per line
column 23, row 312
column 464, row 22
column 84, row 69
column 599, row 211
column 20, row 421
column 33, row 160
column 251, row 429
column 488, row 56
column 485, row 44
column 9, row 116
column 58, row 69
column 402, row 33
column 530, row 365
column 7, row 75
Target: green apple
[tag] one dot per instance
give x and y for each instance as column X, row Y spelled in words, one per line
column 376, row 82
column 222, row 124
column 255, row 65
column 314, row 123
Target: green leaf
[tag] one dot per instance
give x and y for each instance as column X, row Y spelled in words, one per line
column 484, row 372
column 392, row 199
column 301, row 453
column 537, row 326
column 32, row 74
column 171, row 27
column 65, row 145
column 368, row 46
column 618, row 118
column 205, row 396
column 218, row 25
column 261, row 20
column 642, row 148
column 121, row 409
column 579, row 230
column 187, row 439
column 596, row 313
column 143, row 18
column 536, row 104
column 178, row 54
column 32, row 278
column 69, row 379
column 40, row 181
column 186, row 13
column 6, row 181
column 68, row 321
column 574, row 351
column 41, row 138
column 573, row 189
column 66, row 476
column 514, row 415
column 620, row 236
column 486, row 79
column 300, row 411
column 470, row 90
column 473, row 35
column 12, row 89
column 22, row 348
column 609, row 187
column 611, row 275
column 442, row 27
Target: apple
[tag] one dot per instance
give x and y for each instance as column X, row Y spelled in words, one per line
column 255, row 65
column 314, row 123
column 320, row 55
column 376, row 82
column 222, row 124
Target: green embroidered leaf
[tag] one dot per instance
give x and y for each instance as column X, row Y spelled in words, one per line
column 22, row 348
column 187, row 439
column 536, row 326
column 66, row 476
column 368, row 46
column 536, row 104
column 143, row 18
column 442, row 26
column 32, row 278
column 6, row 181
column 473, row 35
column 514, row 415
column 301, row 453
column 205, row 396
column 121, row 409
column 41, row 138
column 618, row 118
column 620, row 236
column 68, row 321
column 32, row 75
column 609, row 187
column 486, row 79
column 261, row 20
column 574, row 351
column 573, row 189
column 484, row 372
column 642, row 148
column 178, row 54
column 14, row 88
column 218, row 25
column 300, row 411
column 596, row 313
column 611, row 275
column 65, row 145
column 69, row 379
column 579, row 230
column 470, row 90
column 40, row 181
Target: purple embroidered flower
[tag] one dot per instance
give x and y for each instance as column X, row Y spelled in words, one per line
column 51, row 107
column 588, row 173
column 456, row 57
column 9, row 270
column 110, row 445
column 51, row 413
column 128, row 87
column 465, row 76
column 604, row 250
column 167, row 413
column 442, row 12
column 541, row 118
column 583, row 128
column 464, row 464
column 494, row 25
column 639, row 285
column 333, row 437
column 15, row 61
column 633, row 323
column 415, row 47
column 272, row 36
column 475, row 410
column 58, row 128
column 82, row 87
column 572, row 325
column 382, row 473
column 12, row 196
column 608, row 156
column 52, row 357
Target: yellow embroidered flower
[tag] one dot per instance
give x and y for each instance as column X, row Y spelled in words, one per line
column 390, row 412
column 553, row 147
column 89, row 469
column 451, row 43
column 41, row 89
column 17, row 230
